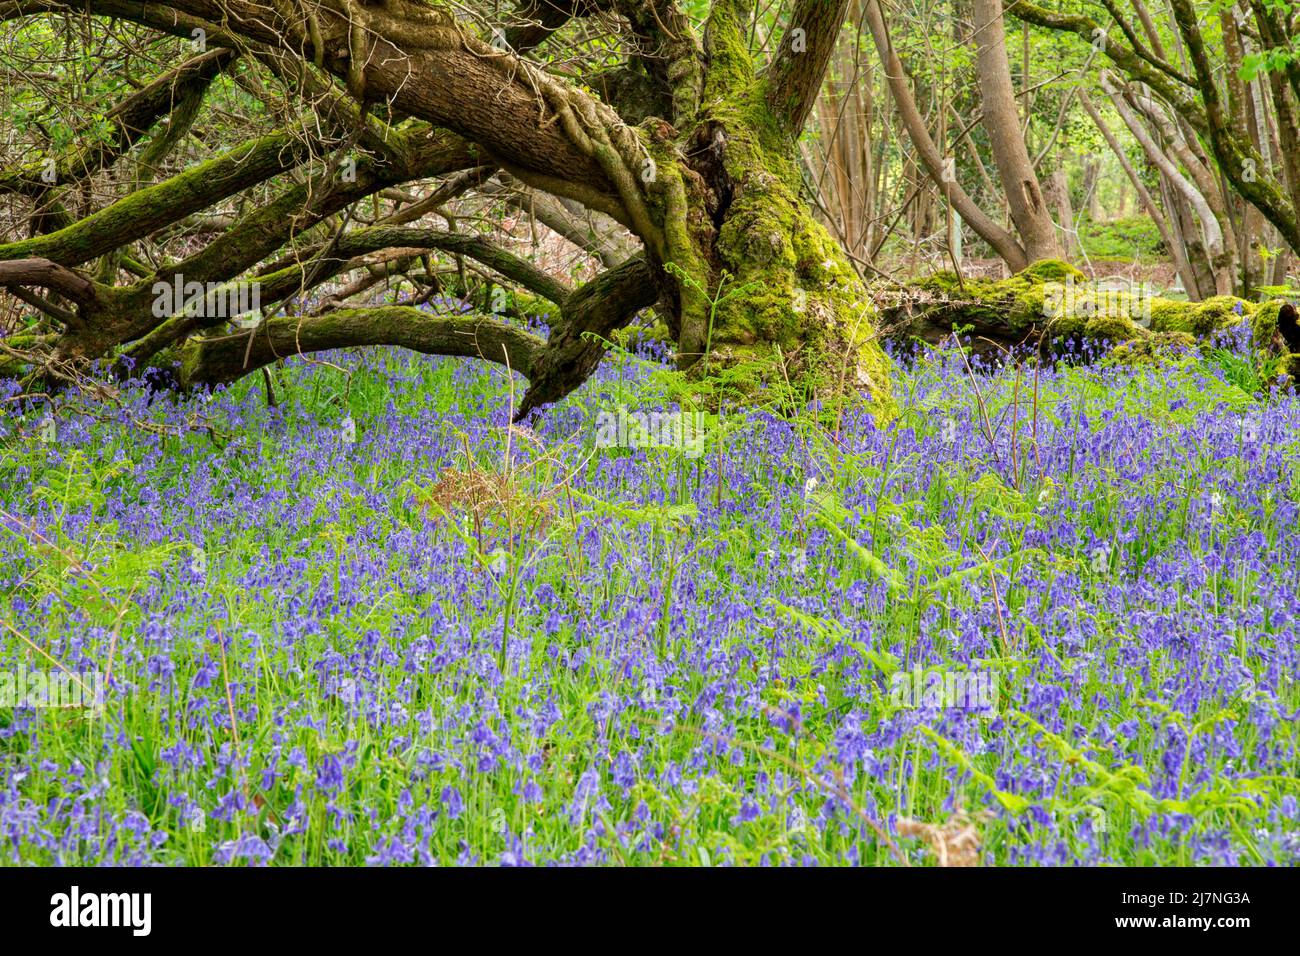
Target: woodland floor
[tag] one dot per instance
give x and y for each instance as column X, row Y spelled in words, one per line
column 374, row 625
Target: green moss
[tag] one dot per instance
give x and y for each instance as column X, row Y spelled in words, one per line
column 793, row 288
column 1051, row 270
column 1198, row 318
column 1020, row 300
column 1223, row 310
column 792, row 307
column 731, row 66
column 1264, row 322
column 1036, row 294
column 1115, row 328
column 947, row 283
column 1170, row 315
column 1162, row 348
column 1029, row 306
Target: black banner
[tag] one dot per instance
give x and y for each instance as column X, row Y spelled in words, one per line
column 936, row 907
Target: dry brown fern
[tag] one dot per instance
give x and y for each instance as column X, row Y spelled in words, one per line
column 953, row 843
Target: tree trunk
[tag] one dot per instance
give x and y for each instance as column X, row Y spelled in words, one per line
column 781, row 297
column 1091, row 188
column 761, row 289
column 1059, row 187
column 1002, row 122
column 942, row 169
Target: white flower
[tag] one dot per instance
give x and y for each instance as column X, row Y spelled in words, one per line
column 1216, row 501
column 348, row 431
column 498, row 560
column 798, row 560
column 809, row 485
column 1101, row 558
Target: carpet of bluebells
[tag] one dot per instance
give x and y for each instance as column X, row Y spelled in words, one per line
column 372, row 624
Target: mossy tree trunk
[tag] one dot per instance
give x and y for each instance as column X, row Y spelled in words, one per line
column 774, row 294
column 760, row 288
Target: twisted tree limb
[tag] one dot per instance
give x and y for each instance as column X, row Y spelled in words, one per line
column 223, row 359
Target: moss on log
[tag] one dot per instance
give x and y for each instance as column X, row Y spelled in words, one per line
column 220, row 359
column 1052, row 301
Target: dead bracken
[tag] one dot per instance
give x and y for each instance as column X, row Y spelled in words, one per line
column 956, row 842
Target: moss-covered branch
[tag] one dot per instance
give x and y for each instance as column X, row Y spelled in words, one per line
column 213, row 361
column 730, row 66
column 573, row 350
column 1051, row 301
column 149, row 210
column 266, row 229
column 795, row 77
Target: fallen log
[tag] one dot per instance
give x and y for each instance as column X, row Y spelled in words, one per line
column 1052, row 306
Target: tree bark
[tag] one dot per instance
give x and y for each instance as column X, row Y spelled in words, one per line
column 225, row 358
column 1002, row 123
